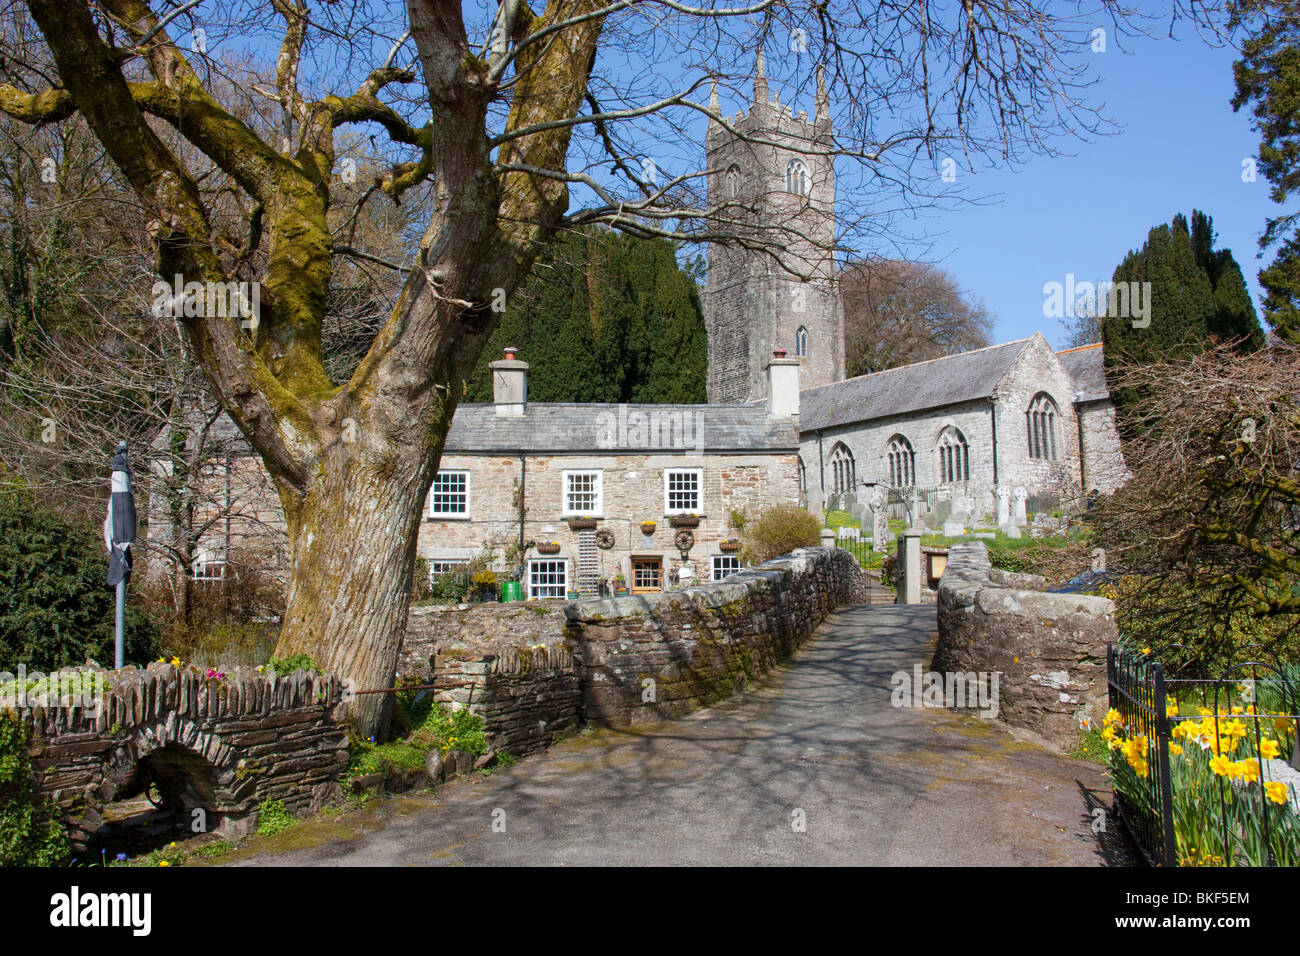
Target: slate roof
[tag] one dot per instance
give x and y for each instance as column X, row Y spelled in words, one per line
column 593, row 428
column 909, row 388
column 1084, row 365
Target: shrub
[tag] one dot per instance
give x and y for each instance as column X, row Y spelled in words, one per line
column 55, row 609
column 272, row 817
column 777, row 530
column 29, row 836
column 1190, row 642
column 284, row 666
column 456, row 730
column 222, row 644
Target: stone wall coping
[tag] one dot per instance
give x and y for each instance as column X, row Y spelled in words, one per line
column 969, row 573
column 736, row 587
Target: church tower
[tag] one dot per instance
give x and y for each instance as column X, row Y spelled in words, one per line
column 772, row 182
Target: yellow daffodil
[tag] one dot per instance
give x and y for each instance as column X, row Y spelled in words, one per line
column 1276, row 792
column 1111, row 718
column 1220, row 765
column 1268, row 749
column 163, row 863
column 1175, row 749
column 1248, row 770
column 1171, row 708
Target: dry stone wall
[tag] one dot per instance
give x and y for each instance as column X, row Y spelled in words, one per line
column 505, row 662
column 220, row 746
column 646, row 658
column 533, row 670
column 1049, row 649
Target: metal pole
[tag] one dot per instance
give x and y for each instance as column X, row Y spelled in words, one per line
column 119, row 638
column 1163, row 736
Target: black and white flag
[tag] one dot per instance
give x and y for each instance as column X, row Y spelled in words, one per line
column 119, row 525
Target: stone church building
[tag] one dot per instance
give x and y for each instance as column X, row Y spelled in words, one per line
column 1016, row 416
column 593, row 496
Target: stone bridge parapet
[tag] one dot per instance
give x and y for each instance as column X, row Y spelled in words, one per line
column 214, row 747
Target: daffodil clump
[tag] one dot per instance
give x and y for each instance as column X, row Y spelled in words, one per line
column 1218, row 775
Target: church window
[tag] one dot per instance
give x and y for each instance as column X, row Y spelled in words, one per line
column 803, row 475
column 733, row 182
column 801, row 342
column 796, row 178
column 954, row 456
column 1041, row 427
column 902, row 462
column 843, row 470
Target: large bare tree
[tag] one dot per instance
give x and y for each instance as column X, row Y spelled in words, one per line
column 500, row 113
column 898, row 312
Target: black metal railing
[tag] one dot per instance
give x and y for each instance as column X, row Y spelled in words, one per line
column 860, row 548
column 1145, row 806
column 1211, row 806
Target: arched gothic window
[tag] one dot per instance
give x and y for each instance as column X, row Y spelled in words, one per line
column 796, row 178
column 843, row 470
column 954, row 456
column 902, row 462
column 1041, row 426
column 733, row 181
column 803, row 476
column 801, row 342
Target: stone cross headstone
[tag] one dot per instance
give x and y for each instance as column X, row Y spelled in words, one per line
column 1018, row 517
column 1004, row 506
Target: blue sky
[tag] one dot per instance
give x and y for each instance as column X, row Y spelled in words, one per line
column 1181, row 147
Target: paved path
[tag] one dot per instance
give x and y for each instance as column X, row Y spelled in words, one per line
column 876, row 785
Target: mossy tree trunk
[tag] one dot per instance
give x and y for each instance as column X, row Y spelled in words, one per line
column 352, row 462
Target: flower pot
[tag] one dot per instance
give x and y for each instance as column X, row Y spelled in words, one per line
column 684, row 521
column 574, row 595
column 550, row 548
column 647, row 527
column 729, row 546
column 620, row 592
column 582, row 524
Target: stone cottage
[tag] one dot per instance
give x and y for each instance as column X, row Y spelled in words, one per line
column 596, row 493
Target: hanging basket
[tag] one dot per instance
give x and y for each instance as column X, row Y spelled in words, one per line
column 648, row 527
column 549, row 547
column 729, row 546
column 582, row 524
column 684, row 521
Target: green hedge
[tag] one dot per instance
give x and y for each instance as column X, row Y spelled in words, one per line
column 55, row 609
column 28, row 835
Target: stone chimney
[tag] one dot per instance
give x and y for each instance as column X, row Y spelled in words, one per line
column 509, row 384
column 782, row 386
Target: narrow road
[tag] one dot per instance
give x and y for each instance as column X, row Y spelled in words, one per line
column 818, row 744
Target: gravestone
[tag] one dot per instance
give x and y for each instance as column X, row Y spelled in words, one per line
column 1004, row 506
column 954, row 528
column 880, row 536
column 1018, row 515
